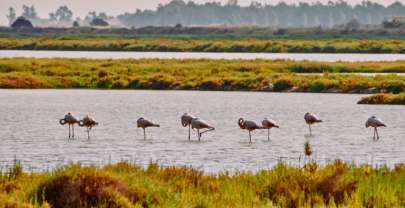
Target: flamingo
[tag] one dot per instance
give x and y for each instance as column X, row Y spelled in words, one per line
column 88, row 123
column 186, row 121
column 249, row 125
column 143, row 123
column 70, row 120
column 268, row 124
column 198, row 124
column 375, row 122
column 310, row 119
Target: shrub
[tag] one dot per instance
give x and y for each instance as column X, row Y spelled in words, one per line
column 282, row 84
column 374, row 99
column 83, row 187
column 21, row 82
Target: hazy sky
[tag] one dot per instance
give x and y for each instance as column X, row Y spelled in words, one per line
column 82, row 7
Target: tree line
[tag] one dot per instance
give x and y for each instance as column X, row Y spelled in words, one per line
column 179, row 12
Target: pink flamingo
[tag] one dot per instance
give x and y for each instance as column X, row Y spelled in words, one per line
column 248, row 125
column 70, row 120
column 268, row 124
column 375, row 122
column 198, row 124
column 143, row 123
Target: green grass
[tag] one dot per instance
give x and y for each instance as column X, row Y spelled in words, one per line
column 127, row 185
column 257, row 75
column 206, row 44
column 384, row 99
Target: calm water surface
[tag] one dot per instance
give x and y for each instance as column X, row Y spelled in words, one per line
column 29, row 129
column 194, row 55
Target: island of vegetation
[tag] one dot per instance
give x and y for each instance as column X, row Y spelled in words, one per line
column 128, row 185
column 384, row 99
column 192, row 74
column 178, row 44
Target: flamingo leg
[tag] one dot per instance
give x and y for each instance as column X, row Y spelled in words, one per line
column 250, row 137
column 189, row 132
column 211, row 129
column 199, row 135
column 69, row 131
column 376, row 131
column 310, row 130
column 374, row 134
column 144, row 134
column 268, row 134
column 88, row 133
column 73, row 131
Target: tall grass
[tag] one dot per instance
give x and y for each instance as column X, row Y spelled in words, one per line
column 127, row 185
column 257, row 75
column 205, row 44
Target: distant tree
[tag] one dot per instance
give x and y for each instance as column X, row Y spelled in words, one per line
column 76, row 24
column 103, row 15
column 93, row 15
column 29, row 12
column 391, row 24
column 282, row 14
column 63, row 13
column 352, row 25
column 52, row 17
column 232, row 2
column 99, row 22
column 11, row 15
column 22, row 22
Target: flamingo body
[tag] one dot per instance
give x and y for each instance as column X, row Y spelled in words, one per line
column 144, row 123
column 89, row 123
column 249, row 125
column 71, row 121
column 311, row 119
column 375, row 122
column 198, row 124
column 269, row 124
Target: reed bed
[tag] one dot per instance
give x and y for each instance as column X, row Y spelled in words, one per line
column 128, row 185
column 228, row 75
column 327, row 45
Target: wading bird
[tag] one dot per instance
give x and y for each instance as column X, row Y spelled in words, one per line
column 249, row 125
column 375, row 123
column 143, row 123
column 198, row 124
column 186, row 121
column 268, row 124
column 88, row 123
column 70, row 120
column 311, row 119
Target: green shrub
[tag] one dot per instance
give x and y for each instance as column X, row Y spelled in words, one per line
column 282, row 84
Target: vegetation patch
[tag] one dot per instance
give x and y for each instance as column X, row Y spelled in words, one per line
column 229, row 75
column 126, row 185
column 380, row 99
column 173, row 44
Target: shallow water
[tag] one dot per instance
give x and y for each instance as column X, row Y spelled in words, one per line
column 29, row 129
column 195, row 55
